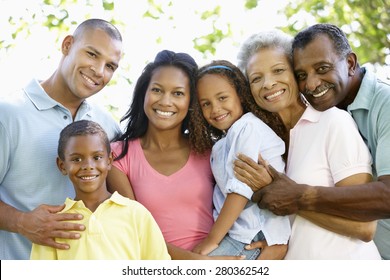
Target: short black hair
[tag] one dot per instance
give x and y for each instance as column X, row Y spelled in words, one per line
column 81, row 128
column 335, row 34
column 97, row 23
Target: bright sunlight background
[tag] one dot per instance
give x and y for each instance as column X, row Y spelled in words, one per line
column 37, row 54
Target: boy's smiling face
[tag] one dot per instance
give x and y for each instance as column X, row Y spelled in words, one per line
column 86, row 162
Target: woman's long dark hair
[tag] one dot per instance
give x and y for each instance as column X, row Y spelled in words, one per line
column 137, row 121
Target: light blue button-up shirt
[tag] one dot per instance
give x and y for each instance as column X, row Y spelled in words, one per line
column 249, row 136
column 30, row 124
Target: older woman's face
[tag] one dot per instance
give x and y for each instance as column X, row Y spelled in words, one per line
column 272, row 80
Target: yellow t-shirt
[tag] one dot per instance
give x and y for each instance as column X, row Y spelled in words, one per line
column 119, row 229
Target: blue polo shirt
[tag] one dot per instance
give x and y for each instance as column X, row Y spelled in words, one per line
column 30, row 124
column 370, row 111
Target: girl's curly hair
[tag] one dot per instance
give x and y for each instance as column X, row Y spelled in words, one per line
column 202, row 135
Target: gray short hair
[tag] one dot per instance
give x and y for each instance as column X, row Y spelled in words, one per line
column 265, row 39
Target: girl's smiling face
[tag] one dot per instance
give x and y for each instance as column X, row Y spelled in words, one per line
column 219, row 101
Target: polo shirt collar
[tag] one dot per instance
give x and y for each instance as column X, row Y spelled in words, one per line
column 363, row 99
column 115, row 198
column 38, row 96
column 310, row 115
column 42, row 101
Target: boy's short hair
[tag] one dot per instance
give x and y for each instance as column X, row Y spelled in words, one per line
column 81, row 128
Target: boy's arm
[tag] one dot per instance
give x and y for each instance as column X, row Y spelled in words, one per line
column 231, row 209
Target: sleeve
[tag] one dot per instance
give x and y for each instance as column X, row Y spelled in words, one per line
column 382, row 153
column 122, row 164
column 251, row 136
column 5, row 145
column 346, row 150
column 152, row 243
column 40, row 252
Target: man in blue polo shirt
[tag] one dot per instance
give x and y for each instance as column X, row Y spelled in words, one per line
column 32, row 190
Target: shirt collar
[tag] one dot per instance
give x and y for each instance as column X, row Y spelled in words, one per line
column 310, row 115
column 42, row 101
column 362, row 99
column 115, row 198
column 38, row 96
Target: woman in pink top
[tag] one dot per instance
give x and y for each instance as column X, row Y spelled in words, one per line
column 154, row 163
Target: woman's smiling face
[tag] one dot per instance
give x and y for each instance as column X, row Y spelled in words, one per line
column 167, row 98
column 272, row 80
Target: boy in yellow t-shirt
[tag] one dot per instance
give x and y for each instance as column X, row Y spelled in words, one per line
column 115, row 227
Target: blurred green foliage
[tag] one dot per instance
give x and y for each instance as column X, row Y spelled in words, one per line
column 365, row 22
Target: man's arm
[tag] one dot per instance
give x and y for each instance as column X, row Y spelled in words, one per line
column 42, row 225
column 364, row 202
column 280, row 205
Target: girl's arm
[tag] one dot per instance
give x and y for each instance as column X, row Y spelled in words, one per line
column 230, row 211
column 118, row 181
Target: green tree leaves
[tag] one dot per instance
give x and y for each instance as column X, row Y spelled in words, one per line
column 366, row 23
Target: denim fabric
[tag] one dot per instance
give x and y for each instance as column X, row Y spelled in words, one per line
column 231, row 247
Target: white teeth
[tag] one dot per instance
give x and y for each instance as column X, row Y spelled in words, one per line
column 88, row 80
column 88, row 177
column 321, row 93
column 220, row 117
column 165, row 114
column 276, row 94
